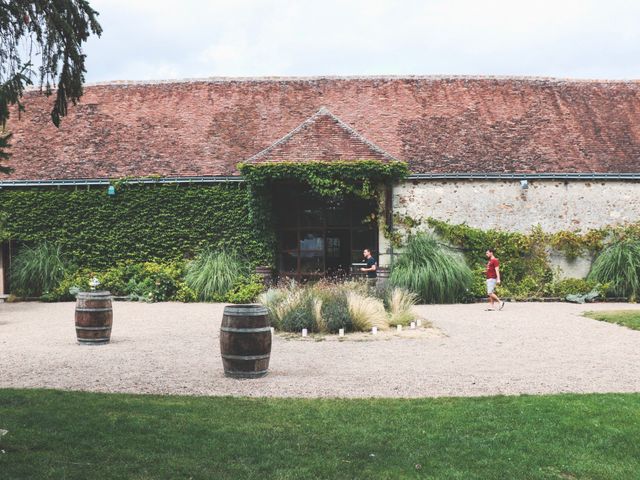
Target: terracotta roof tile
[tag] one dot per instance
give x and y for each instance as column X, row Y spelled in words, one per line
column 322, row 137
column 437, row 124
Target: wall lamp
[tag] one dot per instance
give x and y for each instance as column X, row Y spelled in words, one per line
column 111, row 191
column 524, row 184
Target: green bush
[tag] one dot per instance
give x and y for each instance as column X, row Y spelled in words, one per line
column 75, row 281
column 149, row 281
column 619, row 266
column 245, row 290
column 573, row 286
column 435, row 273
column 335, row 310
column 37, row 270
column 152, row 281
column 214, row 273
column 522, row 257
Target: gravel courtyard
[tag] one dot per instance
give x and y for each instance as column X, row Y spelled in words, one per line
column 172, row 348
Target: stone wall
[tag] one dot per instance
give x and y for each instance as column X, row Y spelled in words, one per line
column 504, row 204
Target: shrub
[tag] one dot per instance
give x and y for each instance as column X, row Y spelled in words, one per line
column 71, row 283
column 149, row 281
column 298, row 312
column 37, row 270
column 400, row 304
column 184, row 293
column 212, row 274
column 245, row 290
column 366, row 312
column 334, row 310
column 619, row 266
column 573, row 286
column 434, row 272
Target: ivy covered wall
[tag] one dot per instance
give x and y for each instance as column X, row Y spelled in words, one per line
column 140, row 223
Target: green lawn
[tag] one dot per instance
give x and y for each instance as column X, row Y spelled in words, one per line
column 626, row 318
column 56, row 435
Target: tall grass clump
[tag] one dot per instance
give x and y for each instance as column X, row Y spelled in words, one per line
column 400, row 303
column 434, row 272
column 37, row 270
column 212, row 274
column 366, row 312
column 288, row 307
column 619, row 266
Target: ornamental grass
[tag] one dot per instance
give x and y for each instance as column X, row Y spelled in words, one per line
column 619, row 266
column 366, row 312
column 37, row 270
column 326, row 307
column 400, row 304
column 434, row 272
column 213, row 273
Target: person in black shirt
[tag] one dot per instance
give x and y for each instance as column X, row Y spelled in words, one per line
column 371, row 267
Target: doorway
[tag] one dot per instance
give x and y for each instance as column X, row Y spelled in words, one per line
column 319, row 237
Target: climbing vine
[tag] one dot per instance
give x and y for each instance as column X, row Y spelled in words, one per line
column 327, row 179
column 140, row 223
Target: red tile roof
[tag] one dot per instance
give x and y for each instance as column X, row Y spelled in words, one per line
column 438, row 125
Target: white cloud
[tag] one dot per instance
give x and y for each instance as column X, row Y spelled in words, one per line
column 146, row 39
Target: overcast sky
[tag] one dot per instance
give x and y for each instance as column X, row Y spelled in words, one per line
column 168, row 39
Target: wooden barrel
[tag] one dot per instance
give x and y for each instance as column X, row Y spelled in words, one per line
column 245, row 341
column 94, row 317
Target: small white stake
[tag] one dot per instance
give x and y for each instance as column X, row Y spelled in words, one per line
column 341, row 332
column 413, row 325
column 419, row 322
column 374, row 330
column 399, row 327
column 304, row 332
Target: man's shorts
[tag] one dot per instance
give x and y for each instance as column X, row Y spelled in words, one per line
column 491, row 285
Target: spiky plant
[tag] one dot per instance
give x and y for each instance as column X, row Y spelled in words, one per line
column 434, row 272
column 213, row 273
column 619, row 266
column 400, row 303
column 37, row 270
column 366, row 312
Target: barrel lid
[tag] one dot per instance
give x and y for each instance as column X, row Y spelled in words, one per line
column 99, row 293
column 247, row 309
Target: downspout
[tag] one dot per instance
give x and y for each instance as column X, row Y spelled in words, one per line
column 388, row 209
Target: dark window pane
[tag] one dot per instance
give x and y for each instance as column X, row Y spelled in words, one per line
column 362, row 211
column 363, row 238
column 311, row 262
column 311, row 241
column 289, row 240
column 288, row 262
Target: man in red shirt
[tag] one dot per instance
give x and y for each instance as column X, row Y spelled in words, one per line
column 493, row 279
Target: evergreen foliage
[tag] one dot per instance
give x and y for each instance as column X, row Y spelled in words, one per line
column 54, row 31
column 139, row 224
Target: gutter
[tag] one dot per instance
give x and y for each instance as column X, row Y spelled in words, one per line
column 240, row 179
column 524, row 176
column 106, row 182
